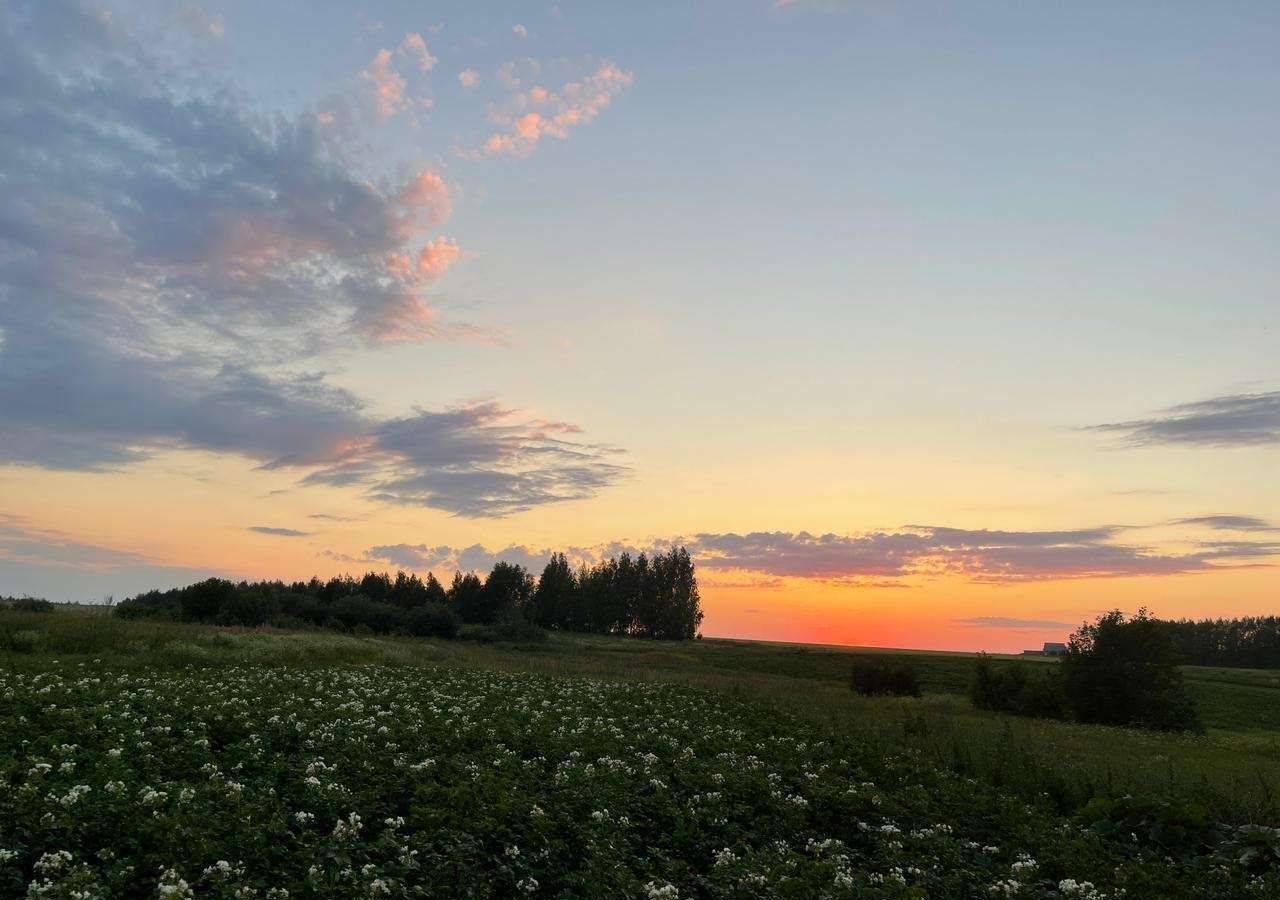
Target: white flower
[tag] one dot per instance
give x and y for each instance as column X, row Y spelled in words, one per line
column 52, row 862
column 173, row 887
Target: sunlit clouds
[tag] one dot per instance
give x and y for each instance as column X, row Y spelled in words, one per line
column 538, row 112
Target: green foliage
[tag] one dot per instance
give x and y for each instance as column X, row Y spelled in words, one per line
column 26, row 604
column 556, row 601
column 386, row 781
column 1119, row 671
column 1014, row 688
column 1248, row 641
column 1175, row 828
column 507, row 590
column 882, row 676
column 510, row 630
column 433, row 619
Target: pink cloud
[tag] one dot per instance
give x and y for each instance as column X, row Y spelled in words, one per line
column 576, row 103
column 387, row 85
column 423, row 203
column 468, row 78
column 434, row 259
column 415, row 47
column 404, row 318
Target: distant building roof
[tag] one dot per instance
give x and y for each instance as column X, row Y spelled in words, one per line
column 1054, row 648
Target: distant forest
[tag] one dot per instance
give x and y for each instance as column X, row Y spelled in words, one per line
column 653, row 597
column 1251, row 642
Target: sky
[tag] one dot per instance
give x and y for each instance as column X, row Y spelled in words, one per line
column 936, row 325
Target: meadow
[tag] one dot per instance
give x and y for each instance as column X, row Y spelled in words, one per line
column 160, row 759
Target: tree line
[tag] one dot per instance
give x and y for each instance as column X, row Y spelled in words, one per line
column 1251, row 642
column 645, row 596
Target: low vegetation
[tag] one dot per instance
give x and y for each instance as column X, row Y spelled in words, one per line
column 430, row 782
column 882, row 676
column 238, row 721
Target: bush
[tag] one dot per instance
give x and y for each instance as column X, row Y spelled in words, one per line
column 27, row 604
column 380, row 618
column 1125, row 672
column 1009, row 688
column 1175, row 828
column 251, row 607
column 507, row 631
column 433, row 619
column 877, row 676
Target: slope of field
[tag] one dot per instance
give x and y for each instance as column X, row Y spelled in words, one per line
column 225, row 736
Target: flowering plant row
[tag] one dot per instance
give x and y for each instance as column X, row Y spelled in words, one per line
column 459, row 783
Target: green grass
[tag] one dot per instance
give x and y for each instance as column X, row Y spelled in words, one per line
column 1234, row 770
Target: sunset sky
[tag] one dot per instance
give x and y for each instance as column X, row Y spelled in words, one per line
column 937, row 325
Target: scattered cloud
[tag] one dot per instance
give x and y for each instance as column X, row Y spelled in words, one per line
column 472, row 460
column 386, row 85
column 520, row 31
column 758, row 583
column 1013, row 622
column 1237, row 420
column 174, row 266
column 1001, row 557
column 414, row 46
column 1229, row 523
column 467, row 559
column 278, row 532
column 469, row 78
column 883, row 559
column 538, row 112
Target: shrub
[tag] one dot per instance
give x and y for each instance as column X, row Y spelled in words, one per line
column 1125, row 672
column 203, row 601
column 1176, row 828
column 433, row 619
column 27, row 604
column 507, row 631
column 251, row 607
column 352, row 612
column 1011, row 688
column 877, row 676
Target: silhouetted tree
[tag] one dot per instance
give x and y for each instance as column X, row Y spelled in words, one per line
column 466, row 597
column 1125, row 672
column 508, row 589
column 555, row 600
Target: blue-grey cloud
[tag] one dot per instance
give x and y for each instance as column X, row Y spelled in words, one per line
column 1237, row 420
column 882, row 558
column 174, row 265
column 1229, row 523
column 278, row 532
column 475, row 558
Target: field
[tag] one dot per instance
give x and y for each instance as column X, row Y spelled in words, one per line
column 146, row 759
